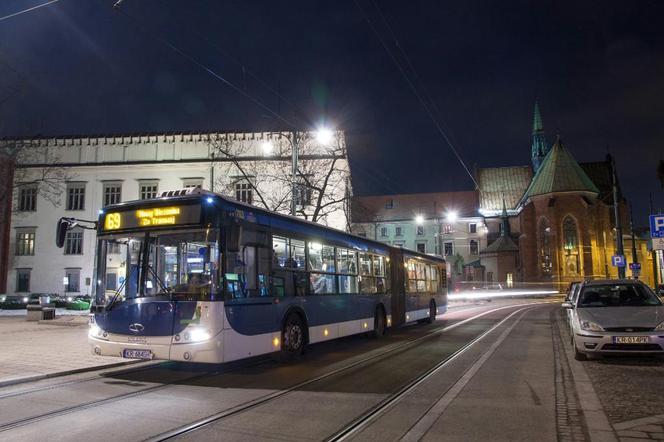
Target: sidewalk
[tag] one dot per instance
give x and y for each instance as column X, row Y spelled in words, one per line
column 32, row 350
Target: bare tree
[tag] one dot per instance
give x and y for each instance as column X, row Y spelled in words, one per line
column 48, row 178
column 660, row 172
column 322, row 181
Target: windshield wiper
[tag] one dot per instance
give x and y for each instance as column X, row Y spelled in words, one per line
column 119, row 290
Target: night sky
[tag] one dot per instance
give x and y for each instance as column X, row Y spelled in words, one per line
column 596, row 68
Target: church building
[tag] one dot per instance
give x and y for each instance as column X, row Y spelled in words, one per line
column 552, row 222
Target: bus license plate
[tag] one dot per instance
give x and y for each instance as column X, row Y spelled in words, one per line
column 131, row 353
column 630, row 339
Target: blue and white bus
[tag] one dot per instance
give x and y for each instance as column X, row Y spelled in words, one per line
column 195, row 276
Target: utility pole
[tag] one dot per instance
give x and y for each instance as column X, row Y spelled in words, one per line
column 616, row 213
column 294, row 174
column 653, row 253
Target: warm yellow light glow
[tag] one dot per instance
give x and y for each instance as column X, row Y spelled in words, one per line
column 365, row 325
column 275, row 342
column 389, row 321
column 112, row 221
column 407, row 317
column 159, row 216
column 325, row 332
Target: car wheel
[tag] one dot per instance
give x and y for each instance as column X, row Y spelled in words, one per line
column 379, row 324
column 293, row 336
column 578, row 355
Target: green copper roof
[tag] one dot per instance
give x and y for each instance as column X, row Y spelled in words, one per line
column 559, row 172
column 537, row 120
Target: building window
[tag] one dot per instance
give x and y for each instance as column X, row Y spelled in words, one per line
column 397, row 231
column 27, row 198
column 571, row 246
column 421, row 247
column 489, row 276
column 244, row 192
column 448, row 248
column 74, row 242
column 420, row 230
column 472, row 228
column 398, row 243
column 389, row 204
column 112, row 193
column 72, row 280
column 509, row 279
column 447, row 228
column 544, row 234
column 22, row 280
column 191, row 183
column 474, row 247
column 75, row 196
column 148, row 190
column 25, row 242
column 362, row 233
column 383, row 231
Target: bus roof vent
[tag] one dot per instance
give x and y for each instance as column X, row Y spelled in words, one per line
column 197, row 190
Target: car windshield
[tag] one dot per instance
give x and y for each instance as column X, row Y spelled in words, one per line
column 175, row 264
column 617, row 295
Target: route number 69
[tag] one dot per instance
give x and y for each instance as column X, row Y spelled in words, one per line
column 112, row 221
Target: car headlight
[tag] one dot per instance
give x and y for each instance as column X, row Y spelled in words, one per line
column 590, row 326
column 660, row 327
column 96, row 332
column 25, row 299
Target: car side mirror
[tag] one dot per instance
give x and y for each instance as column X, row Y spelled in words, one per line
column 567, row 304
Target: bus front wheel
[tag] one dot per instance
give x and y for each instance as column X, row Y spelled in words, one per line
column 293, row 336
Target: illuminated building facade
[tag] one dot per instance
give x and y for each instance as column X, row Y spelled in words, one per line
column 88, row 173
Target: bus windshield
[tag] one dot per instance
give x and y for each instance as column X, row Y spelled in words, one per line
column 180, row 265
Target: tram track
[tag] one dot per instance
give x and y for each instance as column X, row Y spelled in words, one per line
column 374, row 411
column 240, row 408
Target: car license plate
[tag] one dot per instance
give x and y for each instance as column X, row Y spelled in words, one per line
column 630, row 339
column 131, row 353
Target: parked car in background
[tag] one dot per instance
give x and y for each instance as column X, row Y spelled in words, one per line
column 615, row 316
column 79, row 303
column 13, row 302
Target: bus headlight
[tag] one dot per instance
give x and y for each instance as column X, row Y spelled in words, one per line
column 198, row 335
column 96, row 332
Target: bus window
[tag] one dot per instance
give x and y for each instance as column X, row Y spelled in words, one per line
column 288, row 275
column 347, row 260
column 434, row 279
column 365, row 264
column 321, row 257
column 247, row 269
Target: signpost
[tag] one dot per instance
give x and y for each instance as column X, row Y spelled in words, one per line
column 618, row 261
column 657, row 231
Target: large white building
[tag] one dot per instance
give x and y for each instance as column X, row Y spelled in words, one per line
column 77, row 176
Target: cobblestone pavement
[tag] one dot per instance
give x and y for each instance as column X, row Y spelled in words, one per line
column 33, row 349
column 648, row 428
column 570, row 422
column 628, row 387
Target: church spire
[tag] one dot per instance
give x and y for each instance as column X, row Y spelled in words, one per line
column 505, row 222
column 539, row 147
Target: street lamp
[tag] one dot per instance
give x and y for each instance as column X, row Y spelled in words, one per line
column 324, row 136
column 267, row 147
column 419, row 219
column 452, row 216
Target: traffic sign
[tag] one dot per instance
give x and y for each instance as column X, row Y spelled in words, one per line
column 657, row 226
column 658, row 243
column 618, row 261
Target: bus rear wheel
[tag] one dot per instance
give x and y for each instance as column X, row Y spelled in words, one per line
column 293, row 336
column 379, row 324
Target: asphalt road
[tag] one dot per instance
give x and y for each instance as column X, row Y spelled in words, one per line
column 480, row 372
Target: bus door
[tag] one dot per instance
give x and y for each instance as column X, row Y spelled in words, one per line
column 398, row 292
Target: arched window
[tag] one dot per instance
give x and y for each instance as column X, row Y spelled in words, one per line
column 571, row 246
column 544, row 236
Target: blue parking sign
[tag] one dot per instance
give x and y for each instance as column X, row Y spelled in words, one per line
column 618, row 261
column 657, row 226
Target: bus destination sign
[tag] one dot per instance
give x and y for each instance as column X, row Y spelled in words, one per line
column 153, row 217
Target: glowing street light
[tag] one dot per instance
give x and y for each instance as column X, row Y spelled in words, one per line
column 324, row 136
column 267, row 147
column 452, row 216
column 419, row 219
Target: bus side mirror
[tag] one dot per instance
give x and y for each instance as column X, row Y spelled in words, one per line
column 567, row 304
column 61, row 232
column 234, row 238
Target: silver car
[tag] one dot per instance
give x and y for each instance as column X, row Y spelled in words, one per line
column 615, row 316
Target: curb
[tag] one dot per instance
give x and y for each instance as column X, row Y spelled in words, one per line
column 58, row 374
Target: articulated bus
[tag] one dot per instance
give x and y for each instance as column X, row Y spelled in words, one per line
column 195, row 276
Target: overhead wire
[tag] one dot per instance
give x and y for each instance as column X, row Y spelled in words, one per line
column 7, row 17
column 204, row 67
column 416, row 93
